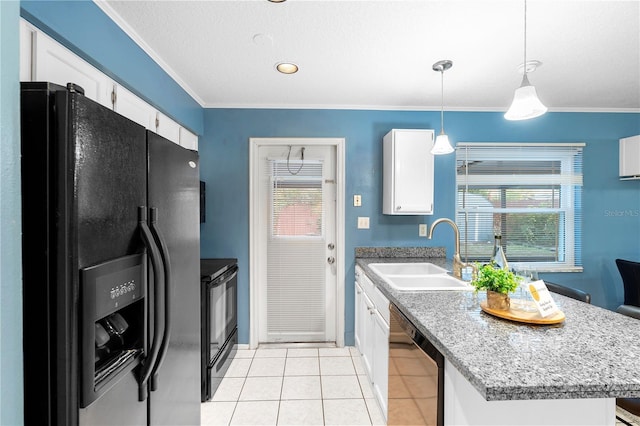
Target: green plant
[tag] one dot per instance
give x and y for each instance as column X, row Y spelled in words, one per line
column 490, row 277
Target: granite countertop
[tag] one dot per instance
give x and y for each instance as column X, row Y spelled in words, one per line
column 595, row 353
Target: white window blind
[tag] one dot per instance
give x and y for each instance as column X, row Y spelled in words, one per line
column 530, row 194
column 296, row 283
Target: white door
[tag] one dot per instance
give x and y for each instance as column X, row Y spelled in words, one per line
column 296, row 243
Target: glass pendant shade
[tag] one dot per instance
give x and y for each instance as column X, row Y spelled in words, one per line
column 442, row 145
column 525, row 103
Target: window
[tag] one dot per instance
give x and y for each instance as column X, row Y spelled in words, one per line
column 530, row 194
column 296, row 199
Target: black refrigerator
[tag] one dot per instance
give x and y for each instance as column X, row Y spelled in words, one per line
column 111, row 262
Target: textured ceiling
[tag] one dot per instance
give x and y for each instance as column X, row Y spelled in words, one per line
column 378, row 54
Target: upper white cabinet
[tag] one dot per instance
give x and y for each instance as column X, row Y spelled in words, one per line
column 26, row 36
column 630, row 157
column 127, row 104
column 188, row 140
column 55, row 63
column 167, row 128
column 407, row 172
column 44, row 59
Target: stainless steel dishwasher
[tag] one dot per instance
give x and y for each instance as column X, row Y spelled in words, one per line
column 416, row 375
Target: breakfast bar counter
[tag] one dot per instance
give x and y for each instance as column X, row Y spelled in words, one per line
column 594, row 354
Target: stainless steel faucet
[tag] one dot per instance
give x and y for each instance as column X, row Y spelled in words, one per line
column 457, row 261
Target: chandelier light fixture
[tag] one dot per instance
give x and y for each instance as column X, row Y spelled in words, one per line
column 442, row 145
column 525, row 104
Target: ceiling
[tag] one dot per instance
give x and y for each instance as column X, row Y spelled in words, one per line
column 374, row 54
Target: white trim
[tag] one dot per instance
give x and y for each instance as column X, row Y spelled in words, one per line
column 425, row 108
column 503, row 145
column 254, row 145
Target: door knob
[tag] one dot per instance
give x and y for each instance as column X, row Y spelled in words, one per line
column 331, row 260
column 331, row 246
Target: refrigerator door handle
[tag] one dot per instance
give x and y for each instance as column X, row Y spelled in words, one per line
column 158, row 273
column 164, row 252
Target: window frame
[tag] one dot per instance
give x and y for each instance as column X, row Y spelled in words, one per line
column 569, row 181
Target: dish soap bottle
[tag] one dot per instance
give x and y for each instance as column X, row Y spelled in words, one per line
column 498, row 253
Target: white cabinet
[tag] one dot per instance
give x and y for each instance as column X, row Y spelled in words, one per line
column 44, row 59
column 363, row 323
column 55, row 63
column 134, row 108
column 188, row 140
column 26, row 36
column 367, row 348
column 357, row 313
column 167, row 128
column 630, row 157
column 380, row 364
column 372, row 335
column 407, row 172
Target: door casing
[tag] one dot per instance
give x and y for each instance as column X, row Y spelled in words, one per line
column 254, row 145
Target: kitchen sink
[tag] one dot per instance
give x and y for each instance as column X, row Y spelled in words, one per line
column 418, row 276
column 426, row 282
column 383, row 269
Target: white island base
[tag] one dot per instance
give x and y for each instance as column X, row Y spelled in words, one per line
column 465, row 406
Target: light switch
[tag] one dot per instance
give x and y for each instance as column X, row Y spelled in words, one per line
column 357, row 200
column 363, row 222
column 422, row 230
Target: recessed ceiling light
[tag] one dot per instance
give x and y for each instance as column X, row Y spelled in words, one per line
column 287, row 67
column 277, row 1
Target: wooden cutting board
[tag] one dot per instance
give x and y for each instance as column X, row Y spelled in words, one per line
column 522, row 316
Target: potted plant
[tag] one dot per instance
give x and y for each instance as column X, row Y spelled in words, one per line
column 498, row 283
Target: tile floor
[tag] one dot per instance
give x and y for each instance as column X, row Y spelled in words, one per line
column 302, row 386
column 294, row 386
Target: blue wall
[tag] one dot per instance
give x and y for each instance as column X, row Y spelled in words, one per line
column 608, row 234
column 82, row 27
column 11, row 400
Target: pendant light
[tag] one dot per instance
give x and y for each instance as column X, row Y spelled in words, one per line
column 525, row 103
column 442, row 145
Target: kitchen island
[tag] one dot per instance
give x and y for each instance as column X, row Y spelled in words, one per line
column 503, row 372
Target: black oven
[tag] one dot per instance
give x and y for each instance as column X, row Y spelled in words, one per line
column 219, row 320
